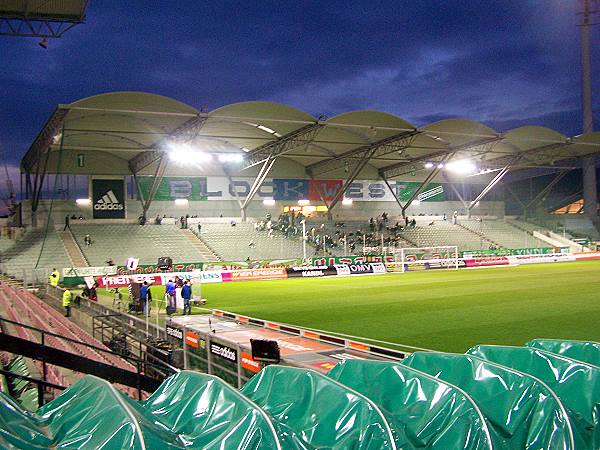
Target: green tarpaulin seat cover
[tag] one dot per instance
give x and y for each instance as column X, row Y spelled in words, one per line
column 313, row 411
column 93, row 414
column 20, row 429
column 210, row 414
column 424, row 413
column 522, row 412
column 189, row 410
column 584, row 351
column 577, row 384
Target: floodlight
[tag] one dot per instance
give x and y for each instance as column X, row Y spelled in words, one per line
column 461, row 166
column 186, row 153
column 231, row 157
column 83, row 201
column 428, row 165
column 440, row 165
column 181, row 202
column 268, row 202
column 304, row 202
column 347, row 201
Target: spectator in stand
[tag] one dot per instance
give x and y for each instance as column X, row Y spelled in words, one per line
column 158, row 219
column 232, row 223
column 406, row 221
column 87, row 240
column 110, row 262
column 371, row 224
column 454, row 217
column 186, row 295
column 384, row 217
column 444, row 217
column 413, row 224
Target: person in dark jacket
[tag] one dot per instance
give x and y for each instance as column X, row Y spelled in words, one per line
column 186, row 295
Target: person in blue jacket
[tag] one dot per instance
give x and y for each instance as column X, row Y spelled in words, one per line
column 186, row 295
column 170, row 290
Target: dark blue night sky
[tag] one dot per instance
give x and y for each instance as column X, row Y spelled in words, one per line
column 506, row 63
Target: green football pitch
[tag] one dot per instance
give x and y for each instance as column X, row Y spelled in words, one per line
column 448, row 310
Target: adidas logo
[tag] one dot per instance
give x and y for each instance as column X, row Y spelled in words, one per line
column 108, row 202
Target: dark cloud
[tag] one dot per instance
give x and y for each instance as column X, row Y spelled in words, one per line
column 504, row 63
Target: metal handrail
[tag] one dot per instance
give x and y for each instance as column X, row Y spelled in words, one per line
column 40, row 384
column 135, row 361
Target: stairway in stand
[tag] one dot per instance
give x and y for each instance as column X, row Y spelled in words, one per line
column 206, row 253
column 72, row 249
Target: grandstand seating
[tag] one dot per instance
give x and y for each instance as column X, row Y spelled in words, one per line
column 24, row 253
column 503, row 233
column 443, row 233
column 24, row 307
column 146, row 242
column 232, row 243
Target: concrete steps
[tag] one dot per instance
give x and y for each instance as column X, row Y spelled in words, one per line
column 203, row 249
column 72, row 248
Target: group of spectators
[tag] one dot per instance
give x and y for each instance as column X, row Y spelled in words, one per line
column 144, row 300
column 289, row 224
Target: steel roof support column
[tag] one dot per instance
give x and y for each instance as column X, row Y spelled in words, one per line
column 158, row 177
column 516, row 197
column 235, row 194
column 366, row 157
column 488, row 188
column 258, row 181
column 424, row 184
column 541, row 196
column 387, row 183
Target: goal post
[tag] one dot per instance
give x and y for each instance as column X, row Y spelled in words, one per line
column 426, row 258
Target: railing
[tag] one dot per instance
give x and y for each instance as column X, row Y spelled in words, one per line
column 76, row 362
column 40, row 384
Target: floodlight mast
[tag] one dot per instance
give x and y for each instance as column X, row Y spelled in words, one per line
column 590, row 196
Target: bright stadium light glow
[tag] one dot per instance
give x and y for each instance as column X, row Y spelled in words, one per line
column 83, row 201
column 347, row 202
column 268, row 202
column 462, row 166
column 181, row 202
column 440, row 165
column 230, row 157
column 428, row 165
column 186, row 153
column 304, row 202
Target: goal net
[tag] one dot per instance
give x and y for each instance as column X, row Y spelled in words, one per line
column 425, row 258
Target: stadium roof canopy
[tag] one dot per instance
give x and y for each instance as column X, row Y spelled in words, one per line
column 124, row 133
column 40, row 18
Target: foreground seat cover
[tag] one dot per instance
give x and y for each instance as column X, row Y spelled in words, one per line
column 93, row 414
column 424, row 413
column 313, row 411
column 21, row 429
column 584, row 351
column 210, row 414
column 577, row 384
column 522, row 412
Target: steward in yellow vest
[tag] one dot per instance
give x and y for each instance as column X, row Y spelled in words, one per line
column 66, row 301
column 54, row 277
